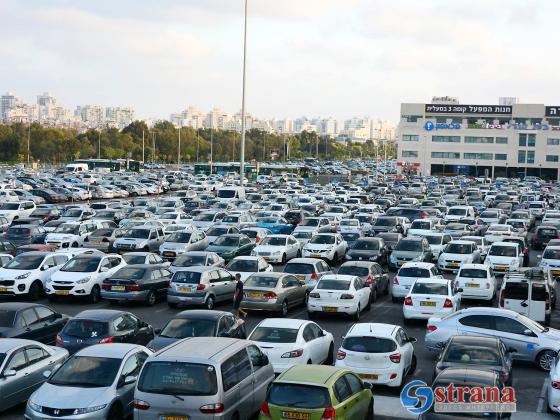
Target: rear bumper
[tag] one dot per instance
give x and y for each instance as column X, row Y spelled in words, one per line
column 414, row 313
column 134, row 296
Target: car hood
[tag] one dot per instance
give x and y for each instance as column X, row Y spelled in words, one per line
column 71, row 276
column 220, row 249
column 9, row 212
column 174, row 245
column 70, row 397
column 160, row 342
column 500, row 260
column 130, row 241
column 268, row 248
column 406, row 254
column 60, row 237
column 461, row 257
column 319, row 246
column 363, row 252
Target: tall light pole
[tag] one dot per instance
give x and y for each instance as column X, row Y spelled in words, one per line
column 242, row 145
column 99, row 145
column 153, row 148
column 179, row 148
column 28, row 143
column 197, row 143
column 143, row 160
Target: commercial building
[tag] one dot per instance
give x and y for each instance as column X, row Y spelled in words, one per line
column 446, row 137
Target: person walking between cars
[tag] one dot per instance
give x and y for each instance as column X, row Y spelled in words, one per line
column 238, row 297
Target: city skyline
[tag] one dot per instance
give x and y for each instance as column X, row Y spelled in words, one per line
column 160, row 59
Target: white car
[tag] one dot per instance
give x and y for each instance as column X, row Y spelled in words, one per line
column 12, row 210
column 431, row 297
column 339, row 294
column 256, row 234
column 245, row 266
column 457, row 253
column 27, row 274
column 312, row 224
column 550, row 259
column 173, row 218
column 408, row 274
column 327, row 246
column 180, row 242
column 477, row 281
column 553, row 388
column 496, row 232
column 277, row 248
column 289, row 342
column 481, row 243
column 437, row 242
column 71, row 234
column 350, row 225
column 504, row 256
column 83, row 275
column 423, row 227
column 214, row 232
column 381, row 354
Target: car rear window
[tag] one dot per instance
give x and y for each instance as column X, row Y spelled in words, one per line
column 473, row 273
column 299, row 396
column 430, row 289
column 354, row 270
column 538, row 292
column 186, row 277
column 369, row 344
column 258, row 281
column 177, row 378
column 474, row 355
column 274, row 335
column 82, row 328
column 414, row 272
column 299, row 268
column 333, row 285
column 517, row 291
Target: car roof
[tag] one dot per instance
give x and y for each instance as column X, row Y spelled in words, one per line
column 7, row 344
column 303, row 261
column 206, row 349
column 467, row 376
column 17, row 306
column 425, row 265
column 293, row 323
column 99, row 314
column 358, row 264
column 198, row 268
column 310, row 374
column 475, row 340
column 144, row 253
column 113, row 350
column 372, row 329
column 510, row 244
column 201, row 314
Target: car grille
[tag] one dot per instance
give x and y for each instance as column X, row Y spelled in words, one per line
column 453, row 261
column 57, row 287
column 7, row 282
column 126, row 246
column 58, row 412
column 265, row 254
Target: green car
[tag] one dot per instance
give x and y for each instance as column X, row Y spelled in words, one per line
column 315, row 392
column 231, row 245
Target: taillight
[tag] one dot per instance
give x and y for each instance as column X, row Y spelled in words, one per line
column 201, row 287
column 396, row 281
column 134, row 288
column 546, row 301
column 488, row 285
column 265, row 411
column 555, row 384
column 347, row 296
column 329, row 414
column 431, row 328
column 314, row 295
column 270, row 295
column 107, row 340
column 526, row 251
column 314, row 276
column 212, row 408
column 141, row 405
column 408, row 301
column 502, row 298
column 106, row 286
column 438, row 371
column 292, row 354
column 395, row 358
column 340, row 355
column 369, row 280
column 257, row 239
column 59, row 341
column 448, row 303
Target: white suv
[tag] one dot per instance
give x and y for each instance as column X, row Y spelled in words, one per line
column 328, row 246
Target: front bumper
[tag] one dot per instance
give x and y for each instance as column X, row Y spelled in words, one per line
column 96, row 415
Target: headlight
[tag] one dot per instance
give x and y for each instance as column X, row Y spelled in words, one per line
column 253, row 254
column 34, row 406
column 23, row 276
column 89, row 409
column 348, row 257
column 277, row 252
column 84, row 280
column 418, row 258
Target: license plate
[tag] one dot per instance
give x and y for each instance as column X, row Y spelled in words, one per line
column 185, row 289
column 300, row 277
column 330, row 309
column 95, row 241
column 118, row 288
column 427, row 303
column 453, row 265
column 555, row 272
column 255, row 294
column 500, row 268
column 294, row 415
column 3, row 289
column 266, row 258
column 368, row 376
column 62, row 292
column 472, row 285
column 168, row 254
column 315, row 255
column 174, row 418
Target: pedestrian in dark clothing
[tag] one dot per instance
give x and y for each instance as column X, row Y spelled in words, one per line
column 238, row 297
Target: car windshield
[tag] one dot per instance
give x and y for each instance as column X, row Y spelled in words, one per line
column 178, row 378
column 457, row 212
column 182, row 328
column 369, row 344
column 189, row 260
column 25, row 262
column 420, row 224
column 137, row 233
column 179, row 237
column 189, row 277
column 64, row 228
column 472, row 354
column 496, row 228
column 434, row 239
column 473, row 273
column 366, row 245
column 217, row 231
column 503, row 251
column 552, row 254
column 322, row 239
column 328, row 284
column 547, row 232
column 87, row 372
column 455, row 226
column 274, row 335
column 81, row 265
column 226, row 193
column 243, row 265
column 414, row 272
column 9, row 206
column 260, row 281
column 299, row 396
column 6, row 319
column 273, row 241
column 83, row 328
column 227, row 241
column 429, row 288
column 350, row 237
column 130, row 273
column 269, row 220
column 353, row 270
column 303, row 235
column 309, row 222
column 458, row 249
column 405, row 245
column 101, row 232
column 383, row 221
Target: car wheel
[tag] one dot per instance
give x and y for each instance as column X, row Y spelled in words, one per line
column 357, row 314
column 146, row 249
column 95, row 294
column 283, row 259
column 75, row 245
column 547, row 320
column 373, row 295
column 370, row 411
column 545, row 360
column 115, row 413
column 386, row 289
column 151, row 298
column 298, row 255
column 394, row 299
column 35, row 291
column 209, row 303
column 284, row 310
column 172, row 305
column 330, row 357
column 334, row 259
column 412, row 367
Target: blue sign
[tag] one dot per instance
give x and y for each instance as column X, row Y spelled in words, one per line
column 417, row 397
column 429, row 126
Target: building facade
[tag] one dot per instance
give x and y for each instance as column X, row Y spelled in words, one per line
column 446, row 137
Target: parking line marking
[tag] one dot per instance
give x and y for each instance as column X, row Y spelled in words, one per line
column 542, row 397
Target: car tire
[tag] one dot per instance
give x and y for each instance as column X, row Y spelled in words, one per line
column 547, row 320
column 283, row 259
column 545, row 360
column 356, row 316
column 373, row 295
column 413, row 364
column 298, row 255
column 394, row 299
column 334, row 259
column 330, row 357
column 35, row 291
column 95, row 294
column 209, row 304
column 386, row 290
column 113, row 302
column 172, row 305
column 146, row 249
column 284, row 310
column 151, row 298
column 368, row 306
column 115, row 413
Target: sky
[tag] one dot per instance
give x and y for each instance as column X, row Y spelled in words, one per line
column 338, row 58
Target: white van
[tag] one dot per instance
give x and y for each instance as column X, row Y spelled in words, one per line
column 231, row 193
column 528, row 293
column 77, row 167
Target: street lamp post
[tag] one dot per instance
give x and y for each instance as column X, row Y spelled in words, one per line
column 179, row 149
column 242, row 145
column 99, row 145
column 29, row 143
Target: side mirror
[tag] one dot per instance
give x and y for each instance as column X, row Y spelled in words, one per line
column 412, row 340
column 157, row 331
column 129, row 380
column 460, row 290
column 511, row 350
column 539, row 256
column 46, row 374
column 103, row 269
column 528, row 332
column 301, row 283
column 10, row 372
column 224, row 334
column 44, row 267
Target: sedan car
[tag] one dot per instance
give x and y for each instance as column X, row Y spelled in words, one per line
column 410, row 250
column 96, row 383
column 278, row 248
column 197, row 258
column 30, row 321
column 180, row 242
column 102, row 326
column 380, row 354
column 25, row 234
column 23, row 364
column 198, row 323
column 479, row 353
column 290, row 342
column 276, row 292
column 431, row 297
column 231, row 246
column 142, row 257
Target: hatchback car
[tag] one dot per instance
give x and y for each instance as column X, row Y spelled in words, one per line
column 410, row 250
column 408, row 274
column 246, row 266
column 477, row 281
column 197, row 258
column 309, row 270
column 431, row 297
column 456, row 253
column 30, row 321
column 370, row 273
column 278, row 248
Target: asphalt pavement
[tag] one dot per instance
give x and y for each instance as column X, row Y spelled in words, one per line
column 528, row 380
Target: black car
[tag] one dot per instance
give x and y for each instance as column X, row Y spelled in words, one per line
column 99, row 326
column 7, row 247
column 543, row 235
column 369, row 249
column 388, row 224
column 198, row 323
column 142, row 283
column 30, row 321
column 46, row 213
column 466, row 377
column 109, row 214
column 476, row 352
column 26, row 234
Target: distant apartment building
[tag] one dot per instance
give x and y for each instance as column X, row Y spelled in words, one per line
column 119, row 117
column 8, row 101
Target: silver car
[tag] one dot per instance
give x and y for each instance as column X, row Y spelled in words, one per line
column 22, row 364
column 95, row 383
column 527, row 339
